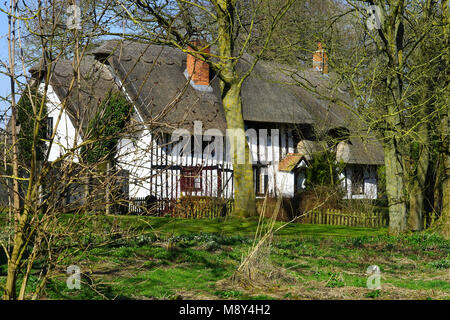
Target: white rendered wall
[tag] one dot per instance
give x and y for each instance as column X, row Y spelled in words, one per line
column 134, row 156
column 370, row 184
column 65, row 131
column 285, row 183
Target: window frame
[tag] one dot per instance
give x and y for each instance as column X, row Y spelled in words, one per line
column 260, row 177
column 358, row 184
column 191, row 179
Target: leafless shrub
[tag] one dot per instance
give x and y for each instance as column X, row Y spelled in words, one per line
column 256, row 268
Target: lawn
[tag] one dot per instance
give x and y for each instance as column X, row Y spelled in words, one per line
column 241, row 227
column 166, row 258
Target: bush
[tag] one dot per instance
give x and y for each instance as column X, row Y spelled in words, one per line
column 286, row 211
column 27, row 119
column 323, row 197
column 324, row 170
column 104, row 128
column 201, row 207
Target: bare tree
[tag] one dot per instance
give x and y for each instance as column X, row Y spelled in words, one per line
column 45, row 171
column 213, row 24
column 391, row 56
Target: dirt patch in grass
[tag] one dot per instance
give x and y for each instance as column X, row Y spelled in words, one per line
column 318, row 290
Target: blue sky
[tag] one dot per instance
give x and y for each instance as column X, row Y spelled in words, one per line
column 5, row 88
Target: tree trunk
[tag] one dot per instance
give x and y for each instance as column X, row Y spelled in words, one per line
column 16, row 256
column 418, row 183
column 445, row 212
column 230, row 86
column 87, row 190
column 395, row 189
column 108, row 188
column 444, row 220
column 13, row 128
column 393, row 144
column 244, row 194
column 416, row 207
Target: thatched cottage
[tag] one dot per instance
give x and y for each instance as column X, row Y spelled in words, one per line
column 286, row 124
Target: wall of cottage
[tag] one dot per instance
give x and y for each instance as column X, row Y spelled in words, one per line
column 65, row 130
column 154, row 170
column 369, row 182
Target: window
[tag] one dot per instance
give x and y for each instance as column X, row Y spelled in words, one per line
column 191, row 179
column 49, row 131
column 358, row 180
column 261, row 180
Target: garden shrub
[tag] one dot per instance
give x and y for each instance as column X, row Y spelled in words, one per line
column 104, row 129
column 27, row 120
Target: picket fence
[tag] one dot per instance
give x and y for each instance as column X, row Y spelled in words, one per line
column 350, row 219
column 207, row 207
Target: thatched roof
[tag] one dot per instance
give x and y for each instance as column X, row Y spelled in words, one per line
column 308, row 148
column 153, row 77
column 357, row 151
column 362, row 146
column 83, row 97
column 352, row 151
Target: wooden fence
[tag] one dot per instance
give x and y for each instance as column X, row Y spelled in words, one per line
column 210, row 207
column 137, row 206
column 145, row 206
column 350, row 219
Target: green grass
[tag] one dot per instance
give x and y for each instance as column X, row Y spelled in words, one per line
column 178, row 258
column 421, row 284
column 243, row 227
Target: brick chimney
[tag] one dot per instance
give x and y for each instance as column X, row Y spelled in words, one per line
column 320, row 60
column 197, row 69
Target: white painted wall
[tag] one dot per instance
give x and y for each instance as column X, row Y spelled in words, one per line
column 140, row 155
column 370, row 183
column 65, row 130
column 285, row 183
column 134, row 156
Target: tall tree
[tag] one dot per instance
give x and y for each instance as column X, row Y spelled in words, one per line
column 219, row 22
column 37, row 225
column 395, row 70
